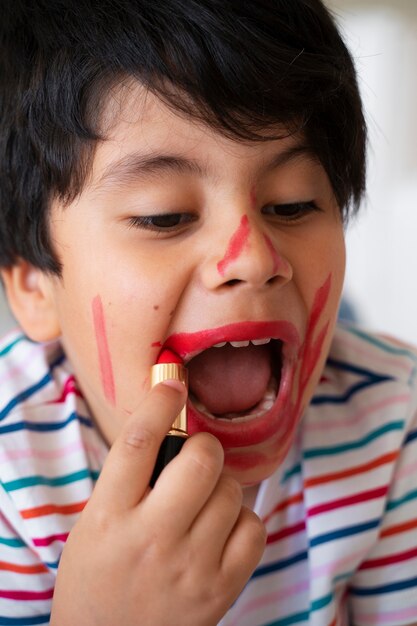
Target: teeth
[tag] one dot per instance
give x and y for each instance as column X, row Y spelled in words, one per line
column 260, row 342
column 243, row 344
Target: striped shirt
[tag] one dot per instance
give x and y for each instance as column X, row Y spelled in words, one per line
column 341, row 511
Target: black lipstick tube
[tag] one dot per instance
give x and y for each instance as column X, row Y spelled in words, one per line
column 177, row 434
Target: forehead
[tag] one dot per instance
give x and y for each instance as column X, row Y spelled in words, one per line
column 144, row 137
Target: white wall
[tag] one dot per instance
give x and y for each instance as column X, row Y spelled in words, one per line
column 382, row 250
column 6, row 319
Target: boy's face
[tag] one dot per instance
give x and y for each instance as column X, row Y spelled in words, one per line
column 185, row 239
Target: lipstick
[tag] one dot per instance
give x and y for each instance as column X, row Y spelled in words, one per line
column 168, row 367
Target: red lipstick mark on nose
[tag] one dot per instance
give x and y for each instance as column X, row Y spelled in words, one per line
column 106, row 368
column 236, row 244
column 278, row 261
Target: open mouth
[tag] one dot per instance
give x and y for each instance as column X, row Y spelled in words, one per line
column 236, row 381
column 240, row 379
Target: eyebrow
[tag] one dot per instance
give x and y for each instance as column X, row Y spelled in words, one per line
column 137, row 166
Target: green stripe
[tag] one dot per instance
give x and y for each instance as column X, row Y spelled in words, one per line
column 353, row 445
column 291, row 472
column 316, row 605
column 291, row 619
column 381, row 344
column 10, row 346
column 59, row 481
column 407, row 498
column 342, row 577
column 12, row 543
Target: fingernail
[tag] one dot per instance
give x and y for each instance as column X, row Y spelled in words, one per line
column 175, row 384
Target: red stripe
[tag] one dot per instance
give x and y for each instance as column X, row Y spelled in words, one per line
column 26, row 595
column 50, row 509
column 348, row 501
column 70, row 387
column 294, row 499
column 46, row 541
column 38, row 568
column 399, row 528
column 389, row 560
column 353, row 471
column 286, row 532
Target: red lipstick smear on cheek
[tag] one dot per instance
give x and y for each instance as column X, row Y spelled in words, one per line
column 313, row 345
column 104, row 358
column 236, row 244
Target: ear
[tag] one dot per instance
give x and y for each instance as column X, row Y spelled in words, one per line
column 31, row 298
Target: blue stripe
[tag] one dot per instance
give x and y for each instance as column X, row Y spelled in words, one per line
column 354, row 389
column 45, row 426
column 354, row 369
column 57, row 481
column 354, row 445
column 410, row 437
column 348, row 531
column 279, row 565
column 7, row 349
column 24, row 395
column 25, row 621
column 389, row 588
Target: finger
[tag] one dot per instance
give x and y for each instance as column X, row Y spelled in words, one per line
column 127, row 470
column 185, row 485
column 244, row 548
column 217, row 519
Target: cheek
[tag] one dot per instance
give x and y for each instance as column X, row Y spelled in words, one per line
column 103, row 351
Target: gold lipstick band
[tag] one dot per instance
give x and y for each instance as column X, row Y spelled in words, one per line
column 172, row 371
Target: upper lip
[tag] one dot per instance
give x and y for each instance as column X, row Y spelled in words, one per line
column 188, row 345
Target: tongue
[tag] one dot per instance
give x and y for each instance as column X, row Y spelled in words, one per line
column 230, row 380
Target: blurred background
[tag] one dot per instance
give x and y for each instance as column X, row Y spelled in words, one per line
column 380, row 291
column 381, row 241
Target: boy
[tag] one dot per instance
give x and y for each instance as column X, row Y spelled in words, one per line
column 177, row 175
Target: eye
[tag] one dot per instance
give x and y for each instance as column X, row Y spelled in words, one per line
column 164, row 222
column 291, row 211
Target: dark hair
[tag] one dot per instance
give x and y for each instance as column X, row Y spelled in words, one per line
column 245, row 67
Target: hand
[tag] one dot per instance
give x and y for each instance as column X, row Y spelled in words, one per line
column 177, row 554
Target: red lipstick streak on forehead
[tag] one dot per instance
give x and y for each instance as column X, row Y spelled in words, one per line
column 236, row 244
column 106, row 368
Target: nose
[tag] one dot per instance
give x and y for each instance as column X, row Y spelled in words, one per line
column 246, row 256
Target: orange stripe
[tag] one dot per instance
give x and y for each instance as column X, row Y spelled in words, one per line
column 399, row 528
column 333, row 623
column 50, row 509
column 295, row 499
column 359, row 469
column 23, row 569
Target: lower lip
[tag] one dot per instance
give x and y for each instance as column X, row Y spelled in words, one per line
column 276, row 423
